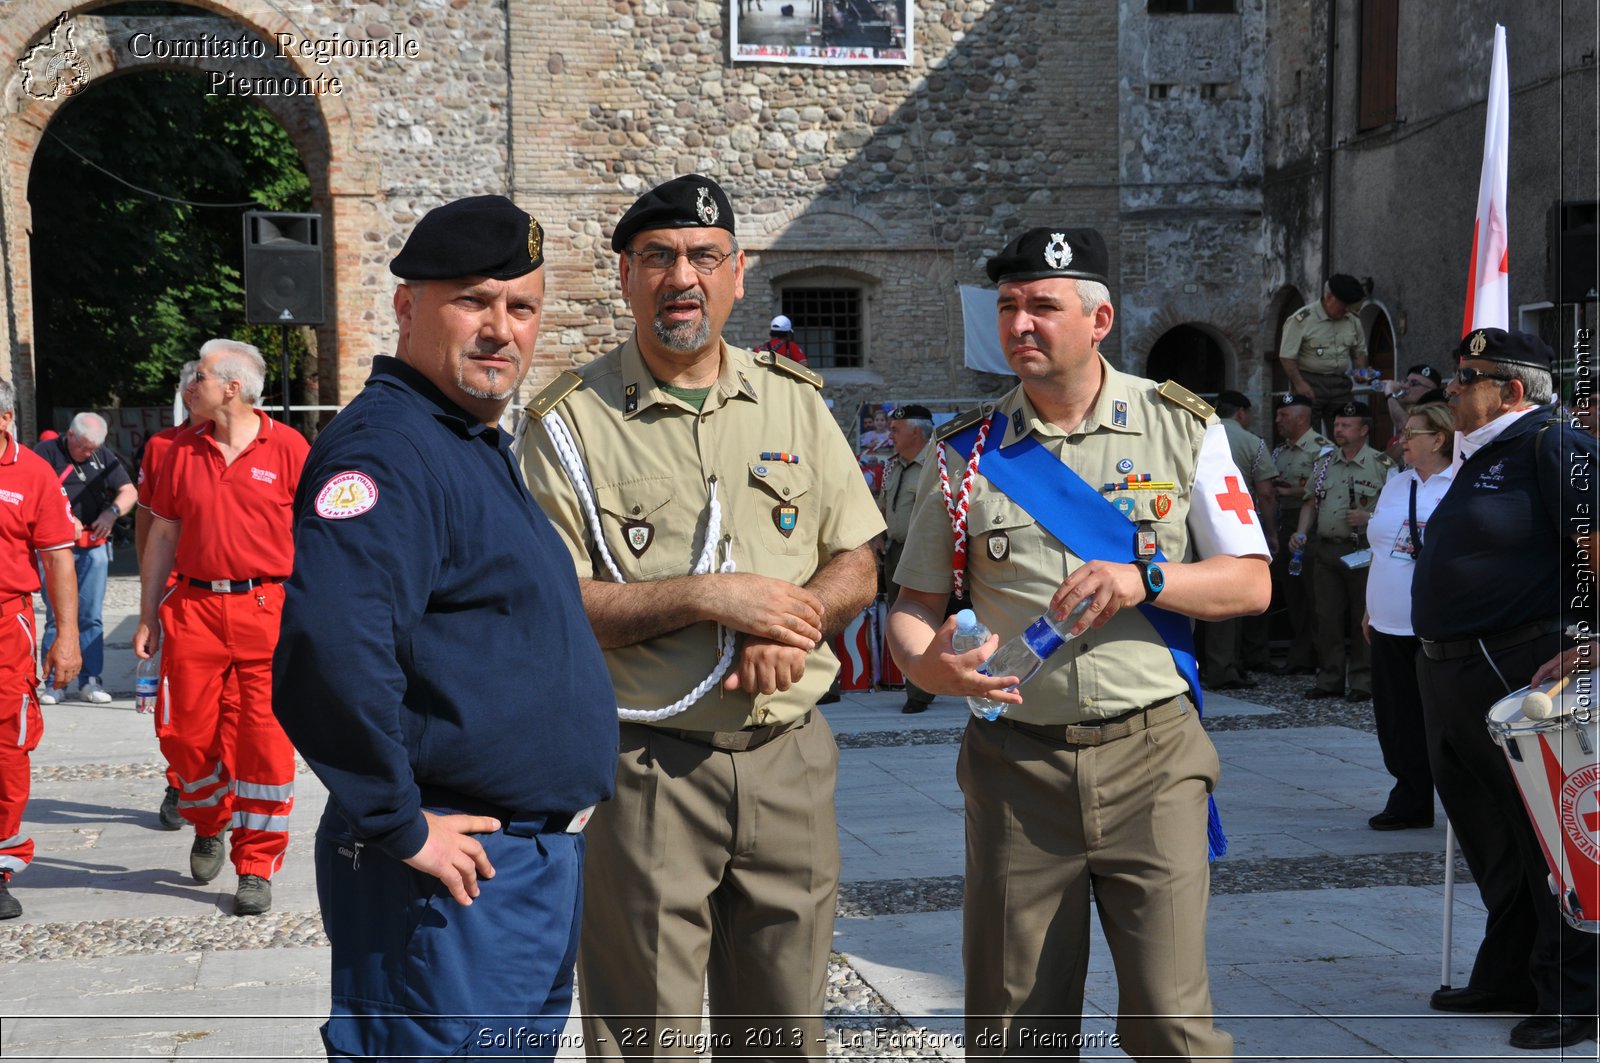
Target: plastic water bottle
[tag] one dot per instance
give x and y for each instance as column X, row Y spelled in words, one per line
column 970, row 632
column 1024, row 655
column 1297, row 562
column 147, row 685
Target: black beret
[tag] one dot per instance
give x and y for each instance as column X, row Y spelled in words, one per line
column 1294, row 398
column 480, row 236
column 687, row 202
column 1346, row 288
column 1232, row 398
column 1040, row 253
column 1354, row 409
column 1509, row 348
column 912, row 412
column 1426, row 371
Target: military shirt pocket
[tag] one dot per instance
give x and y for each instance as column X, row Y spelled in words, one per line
column 1002, row 540
column 781, row 497
column 643, row 531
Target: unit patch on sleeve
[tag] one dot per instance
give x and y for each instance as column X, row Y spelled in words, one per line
column 347, row 495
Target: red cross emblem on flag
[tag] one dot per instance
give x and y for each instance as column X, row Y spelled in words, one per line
column 1236, row 500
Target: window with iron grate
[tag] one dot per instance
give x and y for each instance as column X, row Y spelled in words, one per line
column 827, row 325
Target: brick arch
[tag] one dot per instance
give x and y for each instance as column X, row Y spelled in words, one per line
column 326, row 131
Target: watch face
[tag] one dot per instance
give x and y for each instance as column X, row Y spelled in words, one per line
column 1154, row 578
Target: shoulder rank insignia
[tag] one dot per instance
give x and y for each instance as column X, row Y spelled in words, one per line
column 554, row 392
column 1176, row 393
column 961, row 421
column 1302, row 313
column 790, row 366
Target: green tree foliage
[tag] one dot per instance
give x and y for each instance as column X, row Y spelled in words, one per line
column 128, row 284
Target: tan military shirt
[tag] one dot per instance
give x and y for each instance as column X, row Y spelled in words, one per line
column 651, row 458
column 1320, row 343
column 899, row 492
column 1340, row 484
column 1249, row 453
column 1295, row 460
column 1014, row 566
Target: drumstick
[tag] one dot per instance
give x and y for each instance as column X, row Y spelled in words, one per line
column 1541, row 705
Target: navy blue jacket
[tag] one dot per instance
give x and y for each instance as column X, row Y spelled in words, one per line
column 433, row 633
column 1498, row 550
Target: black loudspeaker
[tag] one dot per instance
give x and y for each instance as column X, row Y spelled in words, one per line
column 282, row 268
column 1571, row 251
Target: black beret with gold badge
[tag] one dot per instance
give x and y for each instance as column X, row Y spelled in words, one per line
column 1354, row 409
column 1294, row 398
column 1508, row 348
column 1346, row 288
column 480, row 236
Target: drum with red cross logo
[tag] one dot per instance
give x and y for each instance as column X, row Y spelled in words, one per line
column 1553, row 761
column 856, row 647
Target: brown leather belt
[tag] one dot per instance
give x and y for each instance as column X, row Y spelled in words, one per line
column 1098, row 734
column 737, row 741
column 1454, row 649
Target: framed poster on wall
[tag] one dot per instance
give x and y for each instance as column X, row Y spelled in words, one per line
column 821, row 32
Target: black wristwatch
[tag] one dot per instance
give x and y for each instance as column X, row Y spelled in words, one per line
column 1154, row 580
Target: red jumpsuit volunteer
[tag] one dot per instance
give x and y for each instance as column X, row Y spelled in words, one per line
column 33, row 516
column 222, row 502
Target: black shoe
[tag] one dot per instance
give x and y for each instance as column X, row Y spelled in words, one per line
column 205, row 857
column 1552, row 1031
column 1358, row 695
column 1390, row 821
column 829, row 698
column 1468, row 1000
column 10, row 907
column 253, row 897
column 170, row 817
column 914, row 706
column 1317, row 695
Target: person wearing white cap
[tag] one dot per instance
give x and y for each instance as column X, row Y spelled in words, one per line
column 782, row 340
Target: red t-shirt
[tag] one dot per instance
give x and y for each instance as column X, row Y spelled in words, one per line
column 235, row 518
column 155, row 449
column 787, row 348
column 34, row 515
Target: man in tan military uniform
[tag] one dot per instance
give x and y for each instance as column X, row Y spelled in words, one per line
column 1338, row 503
column 910, row 429
column 1099, row 772
column 1295, row 456
column 722, row 517
column 1322, row 342
column 1236, row 646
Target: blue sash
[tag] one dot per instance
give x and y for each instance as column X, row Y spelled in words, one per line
column 1086, row 522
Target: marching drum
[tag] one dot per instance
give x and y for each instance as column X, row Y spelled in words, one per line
column 1551, row 750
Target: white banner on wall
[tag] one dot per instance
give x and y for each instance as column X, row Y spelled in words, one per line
column 980, row 324
column 821, row 32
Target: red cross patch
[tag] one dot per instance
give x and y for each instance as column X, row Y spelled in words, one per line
column 1236, row 500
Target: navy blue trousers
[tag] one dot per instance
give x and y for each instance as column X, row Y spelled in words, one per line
column 416, row 975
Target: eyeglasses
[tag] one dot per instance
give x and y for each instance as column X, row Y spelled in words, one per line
column 1466, row 377
column 705, row 260
column 1414, row 432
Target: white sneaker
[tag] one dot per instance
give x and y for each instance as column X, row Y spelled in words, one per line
column 92, row 691
column 49, row 695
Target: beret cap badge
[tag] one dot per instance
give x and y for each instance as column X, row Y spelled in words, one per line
column 1478, row 343
column 705, row 206
column 535, row 239
column 1057, row 253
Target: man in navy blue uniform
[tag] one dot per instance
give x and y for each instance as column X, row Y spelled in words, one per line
column 1488, row 600
column 438, row 673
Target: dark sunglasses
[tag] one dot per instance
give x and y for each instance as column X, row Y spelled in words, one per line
column 1466, row 377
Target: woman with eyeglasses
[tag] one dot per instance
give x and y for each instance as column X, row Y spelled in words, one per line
column 1396, row 533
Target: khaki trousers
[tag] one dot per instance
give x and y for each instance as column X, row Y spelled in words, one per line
column 1046, row 821
column 1341, row 600
column 715, row 872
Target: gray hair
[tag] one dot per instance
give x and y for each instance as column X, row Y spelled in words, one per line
column 1538, row 387
column 186, row 374
column 242, row 364
column 8, row 397
column 89, row 427
column 1092, row 294
column 920, row 423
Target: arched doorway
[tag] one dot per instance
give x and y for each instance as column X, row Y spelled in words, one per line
column 1284, row 303
column 1191, row 356
column 1380, row 356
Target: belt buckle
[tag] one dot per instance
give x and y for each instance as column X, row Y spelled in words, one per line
column 580, row 820
column 1083, row 735
column 222, row 586
column 732, row 741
